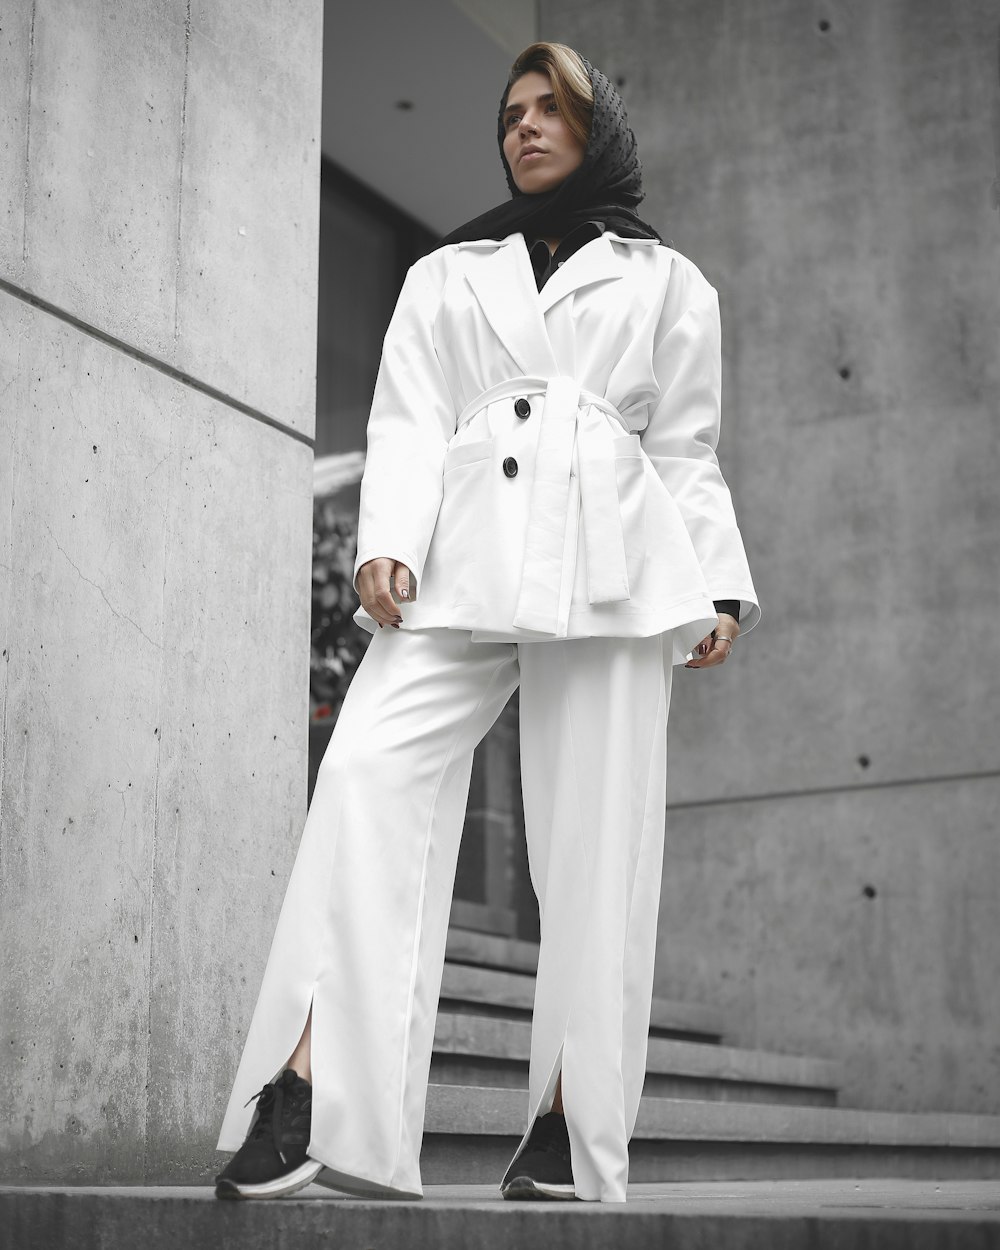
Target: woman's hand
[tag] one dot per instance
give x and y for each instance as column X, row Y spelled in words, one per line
column 716, row 647
column 373, row 588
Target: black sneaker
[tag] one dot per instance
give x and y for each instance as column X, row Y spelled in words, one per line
column 273, row 1160
column 543, row 1169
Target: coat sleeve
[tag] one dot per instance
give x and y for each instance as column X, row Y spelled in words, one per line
column 683, row 433
column 411, row 422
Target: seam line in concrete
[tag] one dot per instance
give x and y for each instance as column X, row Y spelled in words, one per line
column 815, row 791
column 27, row 136
column 180, row 168
column 170, row 371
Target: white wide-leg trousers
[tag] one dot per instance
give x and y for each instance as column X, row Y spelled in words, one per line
column 362, row 930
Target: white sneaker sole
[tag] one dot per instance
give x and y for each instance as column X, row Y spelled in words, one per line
column 290, row 1183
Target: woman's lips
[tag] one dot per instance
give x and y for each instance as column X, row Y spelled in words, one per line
column 530, row 156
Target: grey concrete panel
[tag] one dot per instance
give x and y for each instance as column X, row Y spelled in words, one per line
column 249, row 225
column 78, row 790
column 882, row 663
column 232, row 788
column 102, row 182
column 15, row 73
column 153, row 765
column 163, row 184
column 860, row 926
column 834, row 186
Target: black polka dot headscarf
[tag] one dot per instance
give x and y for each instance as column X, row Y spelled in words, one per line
column 605, row 187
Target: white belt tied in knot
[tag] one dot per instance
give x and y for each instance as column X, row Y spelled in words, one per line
column 570, row 413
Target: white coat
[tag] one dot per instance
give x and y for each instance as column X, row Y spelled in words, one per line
column 544, row 461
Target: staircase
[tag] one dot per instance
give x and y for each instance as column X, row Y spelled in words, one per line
column 708, row 1112
column 734, row 1149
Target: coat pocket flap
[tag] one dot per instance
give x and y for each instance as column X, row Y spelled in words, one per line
column 467, row 453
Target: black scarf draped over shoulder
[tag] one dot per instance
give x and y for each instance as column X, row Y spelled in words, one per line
column 605, row 187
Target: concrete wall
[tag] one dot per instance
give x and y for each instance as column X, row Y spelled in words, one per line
column 832, row 864
column 158, row 244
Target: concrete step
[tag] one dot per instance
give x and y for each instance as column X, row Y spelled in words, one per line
column 484, row 1036
column 820, row 1215
column 469, row 916
column 473, row 989
column 471, row 1133
column 491, row 950
column 480, row 1050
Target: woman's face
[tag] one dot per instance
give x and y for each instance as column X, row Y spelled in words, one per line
column 540, row 148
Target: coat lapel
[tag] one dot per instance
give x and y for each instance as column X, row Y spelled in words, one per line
column 594, row 262
column 504, row 285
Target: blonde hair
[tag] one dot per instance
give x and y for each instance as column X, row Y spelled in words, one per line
column 571, row 84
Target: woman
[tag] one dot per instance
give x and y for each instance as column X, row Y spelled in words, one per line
column 541, row 507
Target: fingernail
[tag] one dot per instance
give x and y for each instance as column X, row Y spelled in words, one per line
column 404, row 594
column 380, row 624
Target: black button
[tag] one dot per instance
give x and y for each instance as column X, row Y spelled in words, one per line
column 522, row 408
column 510, row 466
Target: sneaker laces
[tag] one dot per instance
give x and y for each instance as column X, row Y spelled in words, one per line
column 270, row 1106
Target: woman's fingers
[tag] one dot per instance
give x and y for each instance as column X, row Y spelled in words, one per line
column 401, row 577
column 383, row 598
column 376, row 579
column 373, row 589
column 720, row 651
column 715, row 649
column 711, row 651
